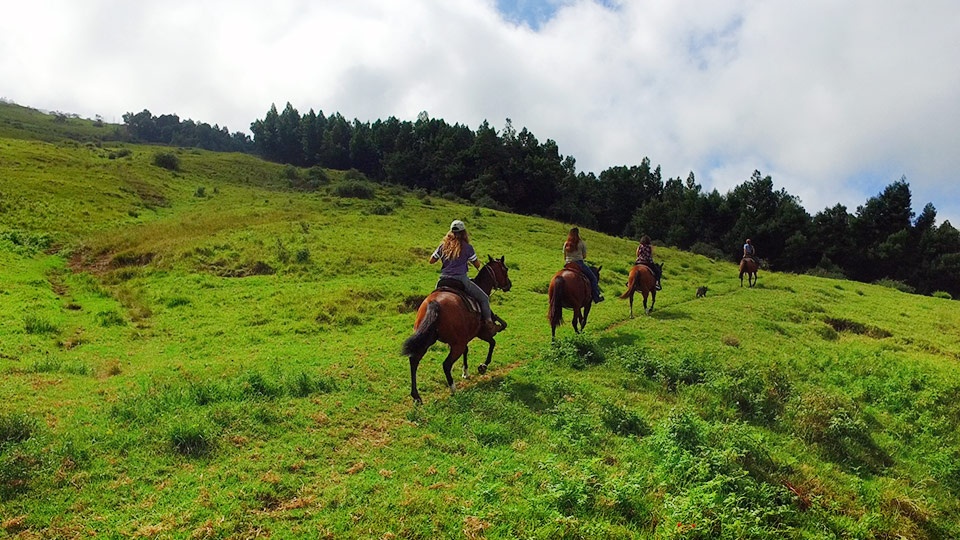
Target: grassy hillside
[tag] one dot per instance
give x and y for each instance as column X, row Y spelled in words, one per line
column 17, row 121
column 208, row 353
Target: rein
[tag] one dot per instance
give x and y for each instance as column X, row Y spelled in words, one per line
column 492, row 278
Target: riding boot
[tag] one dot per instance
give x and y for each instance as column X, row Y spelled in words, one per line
column 491, row 327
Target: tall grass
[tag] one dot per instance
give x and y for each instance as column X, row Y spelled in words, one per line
column 167, row 384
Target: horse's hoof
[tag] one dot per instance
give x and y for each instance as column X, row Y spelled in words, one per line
column 417, row 401
column 481, row 369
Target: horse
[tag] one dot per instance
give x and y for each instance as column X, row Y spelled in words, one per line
column 569, row 288
column 748, row 266
column 444, row 316
column 642, row 279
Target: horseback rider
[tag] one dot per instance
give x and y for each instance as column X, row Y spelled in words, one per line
column 455, row 252
column 748, row 251
column 575, row 251
column 645, row 257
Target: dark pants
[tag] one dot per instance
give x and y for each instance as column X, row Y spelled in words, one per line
column 594, row 282
column 657, row 272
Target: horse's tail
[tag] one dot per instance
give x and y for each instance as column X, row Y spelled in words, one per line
column 426, row 333
column 631, row 284
column 555, row 311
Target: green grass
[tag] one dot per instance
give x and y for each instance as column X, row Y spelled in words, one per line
column 228, row 365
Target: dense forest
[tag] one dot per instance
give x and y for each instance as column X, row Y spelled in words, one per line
column 883, row 239
column 169, row 129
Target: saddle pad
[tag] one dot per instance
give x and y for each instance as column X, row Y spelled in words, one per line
column 470, row 301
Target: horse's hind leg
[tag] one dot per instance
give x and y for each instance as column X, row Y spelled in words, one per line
column 576, row 319
column 466, row 372
column 414, row 362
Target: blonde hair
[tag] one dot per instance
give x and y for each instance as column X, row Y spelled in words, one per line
column 453, row 243
column 573, row 240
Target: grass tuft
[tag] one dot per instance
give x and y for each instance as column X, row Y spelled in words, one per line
column 192, row 439
column 35, row 324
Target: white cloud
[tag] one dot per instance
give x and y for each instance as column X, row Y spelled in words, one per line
column 835, row 100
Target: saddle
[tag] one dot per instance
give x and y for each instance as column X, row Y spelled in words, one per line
column 578, row 270
column 456, row 287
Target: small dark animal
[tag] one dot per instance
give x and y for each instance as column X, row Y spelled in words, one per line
column 701, row 291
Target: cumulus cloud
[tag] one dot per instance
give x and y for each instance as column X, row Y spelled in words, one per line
column 835, row 100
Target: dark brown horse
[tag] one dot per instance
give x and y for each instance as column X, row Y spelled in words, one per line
column 748, row 266
column 444, row 316
column 570, row 288
column 642, row 279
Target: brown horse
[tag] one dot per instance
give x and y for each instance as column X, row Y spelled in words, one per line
column 748, row 266
column 642, row 279
column 569, row 288
column 444, row 316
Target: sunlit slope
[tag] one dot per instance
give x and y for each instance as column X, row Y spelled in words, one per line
column 143, row 307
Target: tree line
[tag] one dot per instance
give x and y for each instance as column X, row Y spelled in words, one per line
column 512, row 170
column 169, row 129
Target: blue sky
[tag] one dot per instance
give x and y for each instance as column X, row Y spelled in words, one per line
column 834, row 100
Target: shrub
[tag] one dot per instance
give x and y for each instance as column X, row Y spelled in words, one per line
column 318, row 175
column 837, row 426
column 578, row 352
column 942, row 294
column 576, row 425
column 671, row 371
column 894, row 284
column 382, row 209
column 201, row 192
column 167, row 160
column 730, row 341
column 302, row 256
column 623, row 421
column 314, row 178
column 758, row 394
column 355, row 175
column 355, row 190
column 26, row 242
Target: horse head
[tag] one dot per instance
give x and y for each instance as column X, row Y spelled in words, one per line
column 596, row 270
column 498, row 269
